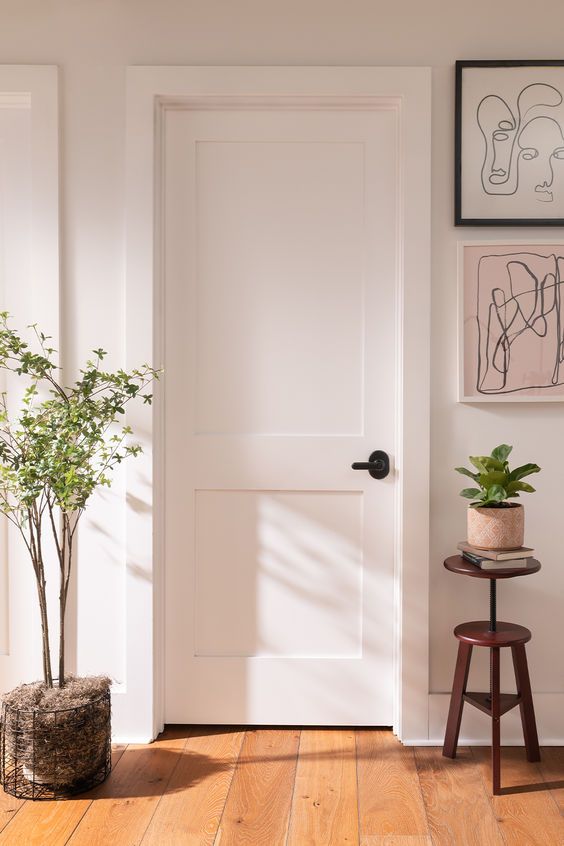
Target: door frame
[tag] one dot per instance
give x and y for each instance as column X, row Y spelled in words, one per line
column 151, row 90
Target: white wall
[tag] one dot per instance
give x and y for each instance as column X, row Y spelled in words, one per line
column 93, row 42
column 17, row 597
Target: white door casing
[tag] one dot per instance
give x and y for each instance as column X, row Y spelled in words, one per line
column 154, row 96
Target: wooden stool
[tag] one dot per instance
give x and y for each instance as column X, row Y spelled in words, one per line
column 495, row 635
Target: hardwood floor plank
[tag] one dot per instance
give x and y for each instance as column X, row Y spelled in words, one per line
column 526, row 811
column 324, row 807
column 9, row 806
column 126, row 802
column 396, row 840
column 50, row 823
column 190, row 810
column 258, row 807
column 552, row 770
column 117, row 752
column 216, row 787
column 389, row 794
column 40, row 823
column 458, row 809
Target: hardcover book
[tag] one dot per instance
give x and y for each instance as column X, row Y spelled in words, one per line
column 496, row 555
column 488, row 564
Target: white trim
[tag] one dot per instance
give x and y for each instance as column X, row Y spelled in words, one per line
column 15, row 99
column 147, row 89
column 476, row 727
column 486, row 398
column 412, row 558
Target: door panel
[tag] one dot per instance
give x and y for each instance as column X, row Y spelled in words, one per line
column 281, row 543
column 292, row 287
column 280, row 262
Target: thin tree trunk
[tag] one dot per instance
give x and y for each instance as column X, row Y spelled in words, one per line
column 62, row 606
column 41, row 597
column 37, row 560
column 45, row 614
column 60, row 545
column 47, row 671
column 43, row 652
column 70, row 521
column 63, row 590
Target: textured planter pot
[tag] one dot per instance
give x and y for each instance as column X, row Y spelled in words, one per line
column 54, row 754
column 496, row 528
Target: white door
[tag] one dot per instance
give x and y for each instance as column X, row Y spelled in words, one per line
column 280, row 256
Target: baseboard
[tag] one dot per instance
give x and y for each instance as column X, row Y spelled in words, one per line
column 476, row 727
column 131, row 739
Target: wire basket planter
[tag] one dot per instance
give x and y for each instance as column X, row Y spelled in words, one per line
column 55, row 753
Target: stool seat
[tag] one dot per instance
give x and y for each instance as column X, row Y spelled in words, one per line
column 477, row 633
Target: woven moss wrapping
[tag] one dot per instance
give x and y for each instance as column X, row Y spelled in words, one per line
column 55, row 742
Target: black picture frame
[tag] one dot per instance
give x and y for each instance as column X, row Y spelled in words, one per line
column 467, row 172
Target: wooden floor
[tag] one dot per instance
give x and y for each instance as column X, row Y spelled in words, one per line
column 286, row 787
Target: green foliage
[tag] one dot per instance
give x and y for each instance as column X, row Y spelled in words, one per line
column 495, row 482
column 57, row 449
column 62, row 447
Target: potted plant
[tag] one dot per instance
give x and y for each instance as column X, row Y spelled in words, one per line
column 56, row 448
column 493, row 521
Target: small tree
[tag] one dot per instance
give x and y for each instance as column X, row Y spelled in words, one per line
column 56, row 451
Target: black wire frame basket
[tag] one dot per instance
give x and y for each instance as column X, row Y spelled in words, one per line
column 55, row 754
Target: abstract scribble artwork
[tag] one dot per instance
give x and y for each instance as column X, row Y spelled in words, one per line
column 512, row 322
column 510, row 143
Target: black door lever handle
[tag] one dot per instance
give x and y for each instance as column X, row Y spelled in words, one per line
column 378, row 465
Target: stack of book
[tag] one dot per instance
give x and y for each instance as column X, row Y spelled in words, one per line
column 491, row 559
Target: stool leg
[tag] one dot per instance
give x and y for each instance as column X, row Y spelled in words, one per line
column 456, row 699
column 526, row 705
column 494, row 693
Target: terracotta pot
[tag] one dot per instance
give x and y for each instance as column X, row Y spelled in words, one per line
column 496, row 528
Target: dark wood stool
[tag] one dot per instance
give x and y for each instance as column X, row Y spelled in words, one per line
column 495, row 635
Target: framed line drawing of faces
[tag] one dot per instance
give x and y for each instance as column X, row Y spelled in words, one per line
column 511, row 321
column 509, row 143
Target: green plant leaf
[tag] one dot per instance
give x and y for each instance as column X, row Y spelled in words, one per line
column 478, row 462
column 512, row 487
column 501, row 452
column 494, row 477
column 497, row 482
column 496, row 493
column 470, row 493
column 485, row 463
column 494, row 464
column 524, row 470
column 466, row 472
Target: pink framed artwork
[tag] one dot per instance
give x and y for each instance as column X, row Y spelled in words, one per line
column 511, row 330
